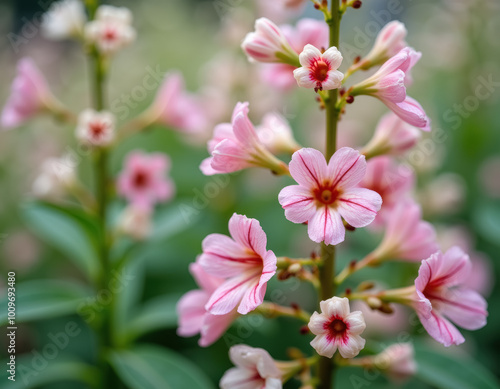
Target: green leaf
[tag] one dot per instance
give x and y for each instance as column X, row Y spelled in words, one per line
column 68, row 230
column 169, row 222
column 43, row 299
column 30, row 374
column 151, row 367
column 157, row 313
column 450, row 371
column 486, row 218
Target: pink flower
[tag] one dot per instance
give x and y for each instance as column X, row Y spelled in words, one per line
column 319, row 71
column 143, row 180
column 275, row 133
column 268, row 44
column 29, row 95
column 393, row 136
column 442, row 297
column 236, row 146
column 255, row 369
column 176, row 108
column 391, row 181
column 326, row 193
column 407, row 236
column 390, row 41
column 135, row 222
column 243, row 261
column 337, row 328
column 96, row 128
column 388, row 84
column 307, row 31
column 111, row 30
column 194, row 318
column 397, row 361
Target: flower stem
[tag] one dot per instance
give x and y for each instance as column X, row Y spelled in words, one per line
column 327, row 271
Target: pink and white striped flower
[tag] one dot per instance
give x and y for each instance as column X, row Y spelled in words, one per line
column 255, row 369
column 96, row 128
column 319, row 70
column 307, row 31
column 407, row 237
column 176, row 108
column 336, row 327
column 388, row 84
column 442, row 297
column 236, row 146
column 194, row 318
column 393, row 136
column 390, row 41
column 244, row 263
column 143, row 181
column 268, row 44
column 111, row 30
column 29, row 95
column 327, row 193
column 393, row 182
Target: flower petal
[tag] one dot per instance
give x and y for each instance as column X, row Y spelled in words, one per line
column 346, row 168
column 352, row 346
column 464, row 307
column 323, row 346
column 308, row 167
column 356, row 322
column 359, row 206
column 326, row 226
column 441, row 329
column 298, row 203
column 248, row 233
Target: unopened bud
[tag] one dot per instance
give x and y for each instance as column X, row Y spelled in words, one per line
column 374, row 302
column 357, row 4
column 294, row 268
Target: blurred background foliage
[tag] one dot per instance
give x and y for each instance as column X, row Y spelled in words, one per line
column 459, row 182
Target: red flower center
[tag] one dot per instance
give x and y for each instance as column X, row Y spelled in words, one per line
column 141, row 179
column 110, row 34
column 97, row 129
column 326, row 196
column 320, row 70
column 337, row 329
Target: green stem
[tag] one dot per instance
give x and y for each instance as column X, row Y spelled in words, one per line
column 327, row 271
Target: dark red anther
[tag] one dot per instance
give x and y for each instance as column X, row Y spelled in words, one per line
column 304, row 330
column 349, row 99
column 357, row 4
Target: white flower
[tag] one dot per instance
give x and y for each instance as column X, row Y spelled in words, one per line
column 255, row 369
column 111, row 30
column 319, row 71
column 96, row 128
column 64, row 19
column 337, row 327
column 56, row 176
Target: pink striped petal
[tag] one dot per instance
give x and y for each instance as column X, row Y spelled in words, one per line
column 191, row 310
column 326, row 226
column 441, row 329
column 298, row 203
column 308, row 167
column 464, row 307
column 347, row 167
column 248, row 233
column 229, row 156
column 214, row 326
column 359, row 206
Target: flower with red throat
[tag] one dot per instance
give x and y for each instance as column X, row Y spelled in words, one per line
column 143, row 181
column 243, row 262
column 393, row 136
column 29, row 95
column 442, row 297
column 268, row 44
column 327, row 193
column 255, row 369
column 236, row 146
column 194, row 318
column 319, row 71
column 407, row 237
column 111, row 30
column 336, row 327
column 96, row 128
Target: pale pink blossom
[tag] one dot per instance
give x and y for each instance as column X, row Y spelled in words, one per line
column 307, row 31
column 194, row 318
column 143, row 181
column 393, row 136
column 441, row 297
column 174, row 107
column 255, row 369
column 328, row 193
column 393, row 182
column 111, row 30
column 243, row 261
column 444, row 195
column 388, row 84
column 29, row 95
column 336, row 327
column 319, row 70
column 96, row 128
column 407, row 236
column 390, row 41
column 280, row 11
column 136, row 222
column 57, row 176
column 275, row 133
column 64, row 19
column 268, row 44
column 236, row 146
column 397, row 361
